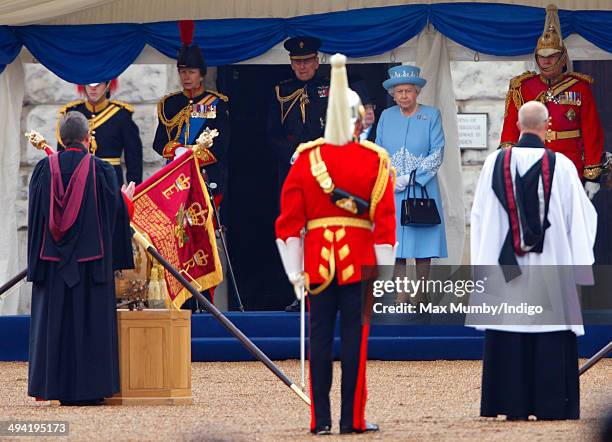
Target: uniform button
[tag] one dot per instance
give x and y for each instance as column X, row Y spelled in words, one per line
column 93, row 132
column 93, row 115
column 190, row 101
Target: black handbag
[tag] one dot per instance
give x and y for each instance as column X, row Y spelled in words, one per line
column 419, row 212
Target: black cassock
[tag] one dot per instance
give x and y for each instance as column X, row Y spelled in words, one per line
column 73, row 330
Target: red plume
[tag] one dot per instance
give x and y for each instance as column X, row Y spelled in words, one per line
column 186, row 28
column 114, row 84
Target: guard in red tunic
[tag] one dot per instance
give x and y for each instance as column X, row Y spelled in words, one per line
column 574, row 127
column 341, row 192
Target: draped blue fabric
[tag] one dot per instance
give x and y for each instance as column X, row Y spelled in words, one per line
column 84, row 53
column 91, row 53
column 222, row 41
column 493, row 28
column 595, row 26
column 9, row 46
column 362, row 32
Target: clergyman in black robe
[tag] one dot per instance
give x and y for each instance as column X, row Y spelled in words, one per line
column 78, row 234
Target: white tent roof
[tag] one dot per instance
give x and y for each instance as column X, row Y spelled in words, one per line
column 20, row 12
column 62, row 12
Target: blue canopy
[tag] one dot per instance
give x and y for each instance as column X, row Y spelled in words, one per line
column 91, row 53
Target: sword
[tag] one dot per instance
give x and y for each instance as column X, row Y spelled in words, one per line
column 302, row 335
column 221, row 230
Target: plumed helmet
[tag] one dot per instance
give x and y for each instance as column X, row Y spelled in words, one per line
column 344, row 107
column 190, row 55
column 551, row 40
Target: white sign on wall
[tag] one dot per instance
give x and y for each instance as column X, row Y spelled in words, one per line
column 472, row 131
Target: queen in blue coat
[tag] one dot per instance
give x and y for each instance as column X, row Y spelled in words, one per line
column 412, row 134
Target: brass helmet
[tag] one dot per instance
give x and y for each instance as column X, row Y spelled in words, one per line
column 551, row 40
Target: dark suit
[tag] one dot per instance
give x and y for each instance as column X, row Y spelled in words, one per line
column 296, row 115
column 113, row 133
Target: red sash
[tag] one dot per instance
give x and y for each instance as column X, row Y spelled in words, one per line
column 65, row 204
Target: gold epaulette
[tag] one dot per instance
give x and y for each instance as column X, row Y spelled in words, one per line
column 218, row 94
column 127, row 107
column 171, row 94
column 514, row 92
column 309, row 145
column 381, row 151
column 581, row 76
column 67, row 106
column 515, row 82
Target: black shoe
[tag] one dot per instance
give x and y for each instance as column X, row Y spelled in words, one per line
column 517, row 418
column 83, row 403
column 323, row 430
column 368, row 428
column 293, row 307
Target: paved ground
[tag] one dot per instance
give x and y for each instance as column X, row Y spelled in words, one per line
column 437, row 400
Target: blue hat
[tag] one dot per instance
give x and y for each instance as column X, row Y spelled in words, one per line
column 404, row 74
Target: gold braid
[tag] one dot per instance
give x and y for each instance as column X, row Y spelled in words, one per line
column 299, row 93
column 181, row 118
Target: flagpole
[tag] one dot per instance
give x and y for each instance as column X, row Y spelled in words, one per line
column 596, row 358
column 229, row 326
column 14, row 280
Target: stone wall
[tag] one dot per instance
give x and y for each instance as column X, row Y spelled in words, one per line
column 481, row 87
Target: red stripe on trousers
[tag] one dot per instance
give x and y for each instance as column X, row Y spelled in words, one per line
column 361, row 390
column 313, row 419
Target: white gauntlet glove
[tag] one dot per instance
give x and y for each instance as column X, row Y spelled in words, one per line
column 385, row 260
column 292, row 256
column 179, row 151
column 591, row 189
column 401, row 182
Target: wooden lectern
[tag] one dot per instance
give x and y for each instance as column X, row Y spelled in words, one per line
column 154, row 357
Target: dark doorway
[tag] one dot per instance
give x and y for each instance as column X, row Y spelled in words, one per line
column 251, row 205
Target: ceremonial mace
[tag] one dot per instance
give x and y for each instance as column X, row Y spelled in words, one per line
column 201, row 151
column 35, row 137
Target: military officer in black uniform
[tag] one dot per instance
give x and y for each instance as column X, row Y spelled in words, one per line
column 297, row 110
column 185, row 114
column 112, row 129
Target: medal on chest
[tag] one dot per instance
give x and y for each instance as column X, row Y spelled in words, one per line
column 203, row 111
column 323, row 91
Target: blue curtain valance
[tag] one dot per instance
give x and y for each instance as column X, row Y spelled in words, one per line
column 91, row 53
